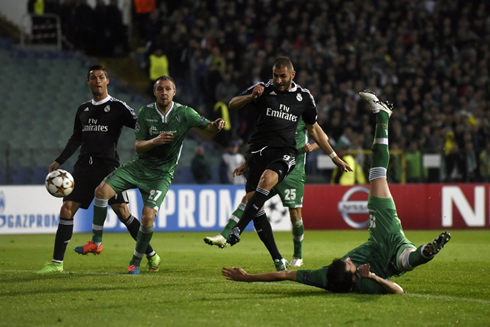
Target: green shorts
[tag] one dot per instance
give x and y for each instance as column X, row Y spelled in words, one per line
column 291, row 190
column 153, row 187
column 385, row 228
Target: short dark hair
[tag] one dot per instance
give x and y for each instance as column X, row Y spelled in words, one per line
column 164, row 78
column 339, row 280
column 97, row 67
column 283, row 62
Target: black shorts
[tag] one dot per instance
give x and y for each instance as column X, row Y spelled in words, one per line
column 88, row 173
column 259, row 159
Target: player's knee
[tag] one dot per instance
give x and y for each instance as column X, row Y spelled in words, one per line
column 269, row 179
column 104, row 191
column 148, row 216
column 279, row 168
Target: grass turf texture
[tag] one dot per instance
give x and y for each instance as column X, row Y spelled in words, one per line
column 452, row 290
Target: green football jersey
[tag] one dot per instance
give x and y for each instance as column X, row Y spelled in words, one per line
column 151, row 123
column 291, row 189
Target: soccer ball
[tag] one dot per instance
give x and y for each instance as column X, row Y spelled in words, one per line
column 59, row 183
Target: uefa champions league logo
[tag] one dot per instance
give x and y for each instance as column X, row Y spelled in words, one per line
column 347, row 208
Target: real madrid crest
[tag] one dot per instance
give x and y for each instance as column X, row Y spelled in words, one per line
column 107, row 108
column 299, row 97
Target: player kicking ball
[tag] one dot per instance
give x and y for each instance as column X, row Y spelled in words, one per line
column 387, row 253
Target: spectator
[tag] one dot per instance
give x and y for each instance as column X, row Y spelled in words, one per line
column 484, row 163
column 201, row 170
column 414, row 169
column 117, row 35
column 158, row 67
column 229, row 162
column 340, row 177
column 471, row 163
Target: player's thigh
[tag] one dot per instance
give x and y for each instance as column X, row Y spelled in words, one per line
column 154, row 191
column 122, row 179
column 291, row 190
column 383, row 219
column 255, row 167
column 259, row 161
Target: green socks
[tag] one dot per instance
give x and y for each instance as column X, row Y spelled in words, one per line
column 235, row 217
column 381, row 155
column 100, row 214
column 142, row 240
column 298, row 235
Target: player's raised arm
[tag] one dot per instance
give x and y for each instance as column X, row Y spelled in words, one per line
column 241, row 100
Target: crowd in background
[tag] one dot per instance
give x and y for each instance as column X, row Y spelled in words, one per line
column 96, row 31
column 429, row 58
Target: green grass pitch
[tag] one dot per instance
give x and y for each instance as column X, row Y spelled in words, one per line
column 452, row 290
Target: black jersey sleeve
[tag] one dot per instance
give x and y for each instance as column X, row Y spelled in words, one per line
column 73, row 143
column 128, row 119
column 310, row 115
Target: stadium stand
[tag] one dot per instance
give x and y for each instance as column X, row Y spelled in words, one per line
column 429, row 58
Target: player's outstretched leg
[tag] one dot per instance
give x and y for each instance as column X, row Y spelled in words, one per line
column 90, row 247
column 424, row 253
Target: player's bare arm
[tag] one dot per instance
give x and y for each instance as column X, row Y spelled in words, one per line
column 142, row 146
column 240, row 275
column 391, row 287
column 241, row 100
column 317, row 133
column 215, row 126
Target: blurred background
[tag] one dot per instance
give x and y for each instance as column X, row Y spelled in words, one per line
column 429, row 58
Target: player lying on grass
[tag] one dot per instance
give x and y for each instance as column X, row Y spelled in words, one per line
column 387, row 253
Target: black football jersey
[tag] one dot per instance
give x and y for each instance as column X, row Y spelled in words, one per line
column 97, row 129
column 278, row 114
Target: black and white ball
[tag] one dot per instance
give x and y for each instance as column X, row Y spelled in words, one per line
column 59, row 183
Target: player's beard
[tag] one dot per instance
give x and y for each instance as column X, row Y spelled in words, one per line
column 285, row 84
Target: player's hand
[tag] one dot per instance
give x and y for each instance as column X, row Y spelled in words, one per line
column 55, row 165
column 163, row 138
column 341, row 164
column 219, row 124
column 365, row 271
column 240, row 169
column 257, row 91
column 237, row 274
